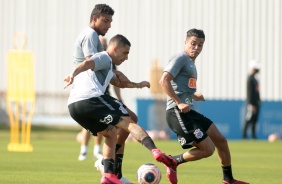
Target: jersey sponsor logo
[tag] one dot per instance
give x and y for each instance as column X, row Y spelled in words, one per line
column 192, row 83
column 198, row 133
column 107, row 120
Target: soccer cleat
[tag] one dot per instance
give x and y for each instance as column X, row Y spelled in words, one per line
column 82, row 156
column 161, row 157
column 125, row 180
column 171, row 174
column 99, row 165
column 110, row 179
column 234, row 182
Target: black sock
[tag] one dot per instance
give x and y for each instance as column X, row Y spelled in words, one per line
column 227, row 173
column 118, row 165
column 117, row 147
column 148, row 143
column 179, row 159
column 109, row 165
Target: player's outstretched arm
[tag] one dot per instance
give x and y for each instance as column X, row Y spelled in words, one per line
column 116, row 82
column 122, row 78
column 85, row 65
column 138, row 85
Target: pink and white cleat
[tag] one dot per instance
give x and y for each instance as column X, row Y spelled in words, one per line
column 170, row 163
column 171, row 174
column 161, row 157
column 110, row 179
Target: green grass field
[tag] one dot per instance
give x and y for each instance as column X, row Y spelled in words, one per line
column 54, row 160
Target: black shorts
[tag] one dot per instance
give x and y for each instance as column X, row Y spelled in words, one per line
column 190, row 127
column 97, row 113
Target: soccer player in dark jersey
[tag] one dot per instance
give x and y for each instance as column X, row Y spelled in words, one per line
column 195, row 131
column 103, row 114
column 252, row 100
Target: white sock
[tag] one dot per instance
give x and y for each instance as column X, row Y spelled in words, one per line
column 83, row 149
column 97, row 149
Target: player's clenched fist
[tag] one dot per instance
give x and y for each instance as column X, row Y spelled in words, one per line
column 144, row 84
column 138, row 85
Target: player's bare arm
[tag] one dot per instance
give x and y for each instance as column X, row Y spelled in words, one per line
column 165, row 84
column 116, row 82
column 85, row 65
column 198, row 96
column 138, row 85
column 123, row 79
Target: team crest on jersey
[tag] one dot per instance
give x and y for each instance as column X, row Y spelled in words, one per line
column 107, row 120
column 182, row 141
column 198, row 133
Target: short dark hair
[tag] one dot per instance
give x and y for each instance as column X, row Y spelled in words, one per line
column 101, row 9
column 195, row 32
column 120, row 40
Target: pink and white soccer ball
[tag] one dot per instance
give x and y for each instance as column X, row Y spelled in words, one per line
column 149, row 174
column 273, row 137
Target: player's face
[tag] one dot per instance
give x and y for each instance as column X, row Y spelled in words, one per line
column 194, row 46
column 121, row 54
column 102, row 24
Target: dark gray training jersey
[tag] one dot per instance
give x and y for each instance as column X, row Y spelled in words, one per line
column 184, row 73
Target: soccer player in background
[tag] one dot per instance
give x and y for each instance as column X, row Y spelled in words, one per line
column 86, row 45
column 252, row 100
column 101, row 113
column 193, row 129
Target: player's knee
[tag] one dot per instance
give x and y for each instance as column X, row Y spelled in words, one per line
column 209, row 150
